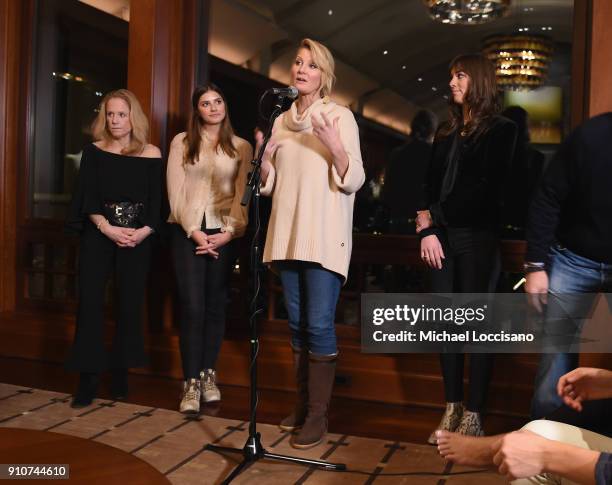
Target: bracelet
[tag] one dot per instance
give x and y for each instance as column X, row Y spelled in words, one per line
column 99, row 224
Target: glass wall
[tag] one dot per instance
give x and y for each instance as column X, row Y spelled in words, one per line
column 80, row 53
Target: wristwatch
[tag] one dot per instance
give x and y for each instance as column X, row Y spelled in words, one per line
column 533, row 267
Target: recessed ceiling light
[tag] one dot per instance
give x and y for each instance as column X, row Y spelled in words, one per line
column 403, row 67
column 420, row 79
column 433, row 88
column 330, row 12
column 385, row 52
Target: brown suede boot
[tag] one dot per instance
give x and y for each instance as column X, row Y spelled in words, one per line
column 321, row 373
column 296, row 419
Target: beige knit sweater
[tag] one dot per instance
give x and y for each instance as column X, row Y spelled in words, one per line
column 312, row 206
column 211, row 187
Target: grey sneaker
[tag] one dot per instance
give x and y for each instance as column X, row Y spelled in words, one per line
column 190, row 402
column 208, row 383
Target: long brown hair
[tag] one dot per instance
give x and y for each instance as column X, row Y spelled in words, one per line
column 193, row 139
column 481, row 97
column 140, row 124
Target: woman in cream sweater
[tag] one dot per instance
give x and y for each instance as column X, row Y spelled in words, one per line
column 207, row 169
column 312, row 168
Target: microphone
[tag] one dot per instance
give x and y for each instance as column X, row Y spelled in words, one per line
column 290, row 92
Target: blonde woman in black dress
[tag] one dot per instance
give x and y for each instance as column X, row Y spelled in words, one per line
column 115, row 209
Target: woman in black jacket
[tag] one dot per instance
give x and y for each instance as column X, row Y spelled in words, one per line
column 461, row 216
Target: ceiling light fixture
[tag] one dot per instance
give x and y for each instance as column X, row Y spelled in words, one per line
column 466, row 12
column 521, row 60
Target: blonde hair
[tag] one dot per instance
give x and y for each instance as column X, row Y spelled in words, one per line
column 323, row 58
column 140, row 124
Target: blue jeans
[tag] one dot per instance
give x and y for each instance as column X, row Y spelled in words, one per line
column 311, row 293
column 570, row 275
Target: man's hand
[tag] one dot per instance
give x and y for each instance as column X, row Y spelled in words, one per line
column 584, row 384
column 520, row 454
column 423, row 221
column 536, row 287
column 431, row 251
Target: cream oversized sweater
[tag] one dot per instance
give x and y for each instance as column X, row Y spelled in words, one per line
column 312, row 206
column 211, row 187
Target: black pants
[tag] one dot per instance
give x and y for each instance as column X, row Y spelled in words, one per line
column 202, row 284
column 99, row 257
column 471, row 260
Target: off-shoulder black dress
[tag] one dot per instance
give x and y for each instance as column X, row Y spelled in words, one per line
column 104, row 179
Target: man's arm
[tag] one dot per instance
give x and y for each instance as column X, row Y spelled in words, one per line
column 545, row 209
column 524, row 454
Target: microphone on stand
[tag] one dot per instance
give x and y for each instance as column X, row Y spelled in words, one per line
column 290, row 92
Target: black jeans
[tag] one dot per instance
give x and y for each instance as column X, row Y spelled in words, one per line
column 99, row 257
column 202, row 284
column 471, row 265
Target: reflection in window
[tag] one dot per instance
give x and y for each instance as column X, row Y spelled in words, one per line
column 80, row 53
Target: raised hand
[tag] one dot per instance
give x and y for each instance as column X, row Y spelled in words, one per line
column 328, row 132
column 584, row 384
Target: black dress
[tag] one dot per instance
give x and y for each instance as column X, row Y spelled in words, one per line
column 106, row 177
column 465, row 193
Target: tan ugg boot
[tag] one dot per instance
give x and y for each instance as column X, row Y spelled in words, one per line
column 296, row 419
column 321, row 373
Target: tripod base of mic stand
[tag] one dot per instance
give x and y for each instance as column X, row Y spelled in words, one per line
column 253, row 451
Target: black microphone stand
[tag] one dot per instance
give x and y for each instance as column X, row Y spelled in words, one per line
column 253, row 449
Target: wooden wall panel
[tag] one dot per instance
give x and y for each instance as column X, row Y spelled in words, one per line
column 580, row 61
column 13, row 38
column 600, row 82
column 591, row 56
column 164, row 45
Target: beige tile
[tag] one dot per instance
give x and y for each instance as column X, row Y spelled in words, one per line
column 101, row 418
column 24, row 403
column 9, row 389
column 176, row 446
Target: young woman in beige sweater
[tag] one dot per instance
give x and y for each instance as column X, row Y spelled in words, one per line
column 206, row 176
column 312, row 168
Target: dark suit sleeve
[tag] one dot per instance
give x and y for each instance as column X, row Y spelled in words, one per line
column 545, row 208
column 86, row 197
column 153, row 210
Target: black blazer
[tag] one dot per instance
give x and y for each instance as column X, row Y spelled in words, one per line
column 466, row 178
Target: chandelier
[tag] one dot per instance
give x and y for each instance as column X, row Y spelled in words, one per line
column 521, row 60
column 466, row 12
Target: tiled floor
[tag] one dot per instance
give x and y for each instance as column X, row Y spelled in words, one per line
column 175, row 444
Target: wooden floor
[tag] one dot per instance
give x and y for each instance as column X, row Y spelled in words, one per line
column 347, row 416
column 177, row 448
